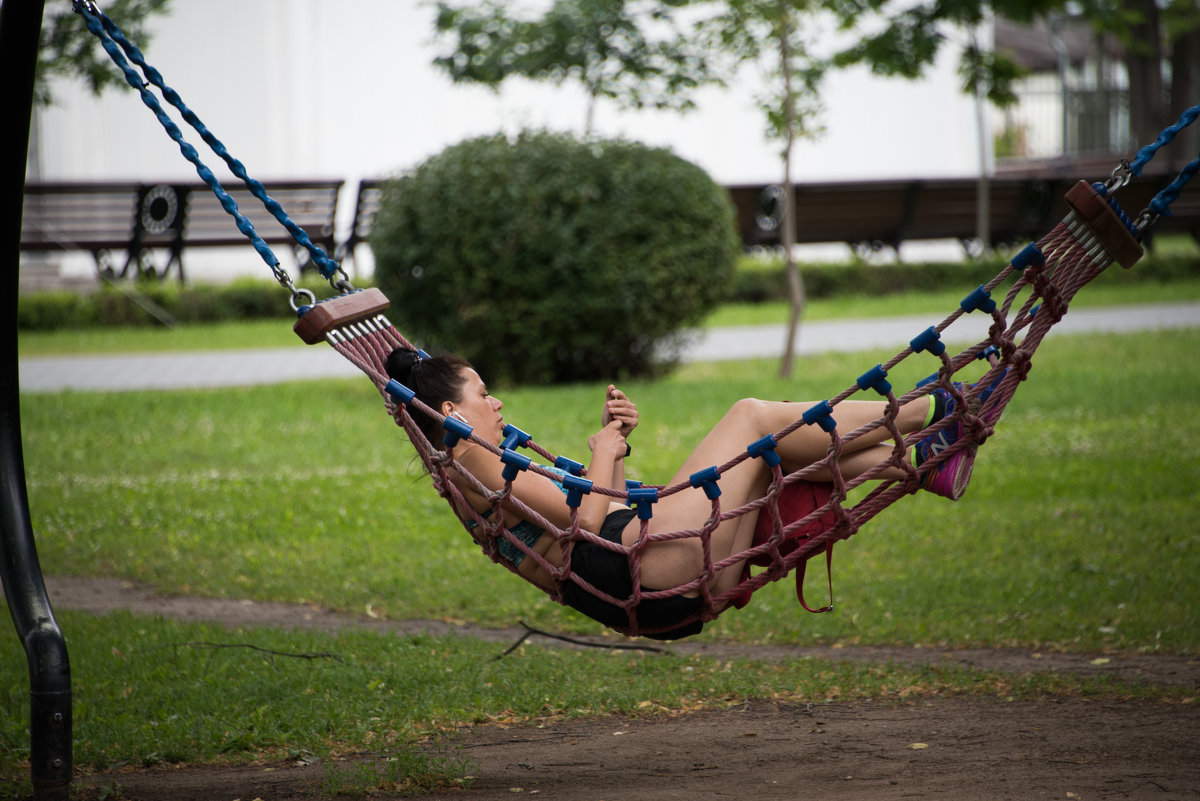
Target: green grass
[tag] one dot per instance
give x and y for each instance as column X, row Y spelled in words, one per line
column 307, row 493
column 214, row 336
column 1077, row 534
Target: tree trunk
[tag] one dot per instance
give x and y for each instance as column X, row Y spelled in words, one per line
column 1185, row 83
column 788, row 233
column 1143, row 61
column 794, row 278
column 983, row 189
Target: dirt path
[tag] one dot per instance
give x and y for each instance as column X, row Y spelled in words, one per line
column 975, row 750
column 969, row 748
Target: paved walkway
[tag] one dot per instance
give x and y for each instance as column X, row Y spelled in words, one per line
column 196, row 369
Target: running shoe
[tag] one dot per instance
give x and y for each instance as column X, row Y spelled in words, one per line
column 950, row 478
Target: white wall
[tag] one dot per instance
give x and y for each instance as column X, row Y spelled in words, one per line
column 346, row 88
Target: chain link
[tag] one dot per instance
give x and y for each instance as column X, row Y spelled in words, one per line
column 1122, row 174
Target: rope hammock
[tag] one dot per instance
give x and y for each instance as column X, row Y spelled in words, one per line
column 798, row 517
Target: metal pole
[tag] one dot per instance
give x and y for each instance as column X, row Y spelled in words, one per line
column 24, row 588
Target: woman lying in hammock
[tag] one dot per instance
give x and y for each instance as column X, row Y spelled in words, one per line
column 450, row 385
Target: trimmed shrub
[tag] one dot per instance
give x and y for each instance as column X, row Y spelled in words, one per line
column 760, row 279
column 51, row 311
column 244, row 299
column 550, row 259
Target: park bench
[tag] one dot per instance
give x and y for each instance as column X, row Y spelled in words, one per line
column 366, row 207
column 870, row 215
column 126, row 225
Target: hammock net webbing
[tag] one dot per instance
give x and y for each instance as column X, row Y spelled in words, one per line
column 1037, row 287
column 1041, row 281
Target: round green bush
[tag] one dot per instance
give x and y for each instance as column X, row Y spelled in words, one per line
column 550, row 259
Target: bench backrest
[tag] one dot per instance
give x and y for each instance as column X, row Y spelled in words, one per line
column 73, row 216
column 1022, row 207
column 139, row 217
column 366, row 207
column 311, row 205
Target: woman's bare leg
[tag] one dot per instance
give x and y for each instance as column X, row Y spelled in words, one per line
column 749, row 420
column 853, row 465
column 671, row 564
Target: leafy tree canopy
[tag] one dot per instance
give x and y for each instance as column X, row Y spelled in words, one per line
column 630, row 51
column 1160, row 41
column 68, row 50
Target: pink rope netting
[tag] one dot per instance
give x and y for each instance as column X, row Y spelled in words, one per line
column 1047, row 274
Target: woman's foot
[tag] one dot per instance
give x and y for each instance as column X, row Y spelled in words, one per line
column 950, row 477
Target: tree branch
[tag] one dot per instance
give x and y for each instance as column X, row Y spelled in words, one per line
column 615, row 646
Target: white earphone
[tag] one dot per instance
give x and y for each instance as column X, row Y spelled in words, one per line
column 458, row 416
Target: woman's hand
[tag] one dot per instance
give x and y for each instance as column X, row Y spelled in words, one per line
column 618, row 407
column 608, row 441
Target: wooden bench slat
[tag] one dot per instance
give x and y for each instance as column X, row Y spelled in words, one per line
column 109, row 216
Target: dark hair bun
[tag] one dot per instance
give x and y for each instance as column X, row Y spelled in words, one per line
column 400, row 364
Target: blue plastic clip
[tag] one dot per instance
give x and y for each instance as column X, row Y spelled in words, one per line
column 765, row 449
column 1030, row 256
column 572, row 467
column 707, row 479
column 980, row 299
column 513, row 463
column 875, row 378
column 576, row 487
column 644, row 497
column 514, row 438
column 399, row 392
column 422, row 354
column 455, row 430
column 990, row 350
column 929, row 340
column 822, row 415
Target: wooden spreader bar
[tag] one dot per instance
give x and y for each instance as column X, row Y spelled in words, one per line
column 328, row 315
column 1100, row 218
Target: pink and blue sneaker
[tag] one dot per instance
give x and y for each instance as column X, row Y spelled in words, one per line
column 950, row 477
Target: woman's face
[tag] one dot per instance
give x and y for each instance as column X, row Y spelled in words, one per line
column 480, row 410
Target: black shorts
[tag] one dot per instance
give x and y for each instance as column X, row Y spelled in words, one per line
column 609, row 571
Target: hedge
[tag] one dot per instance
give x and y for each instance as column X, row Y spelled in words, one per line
column 247, row 299
column 760, row 280
column 756, row 280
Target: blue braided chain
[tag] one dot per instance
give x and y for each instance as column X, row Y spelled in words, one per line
column 189, row 152
column 1146, row 153
column 1159, row 205
column 327, row 267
